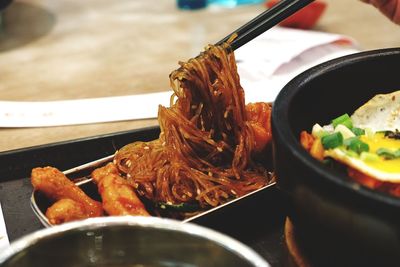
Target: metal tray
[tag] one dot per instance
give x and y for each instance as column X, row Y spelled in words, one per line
column 81, row 176
column 256, row 219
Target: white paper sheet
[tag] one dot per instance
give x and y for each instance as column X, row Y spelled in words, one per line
column 280, row 45
column 259, row 87
column 4, row 242
column 265, row 65
column 67, row 112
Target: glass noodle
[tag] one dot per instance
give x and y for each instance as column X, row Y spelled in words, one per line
column 204, row 151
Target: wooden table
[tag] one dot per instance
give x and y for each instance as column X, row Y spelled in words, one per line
column 56, row 50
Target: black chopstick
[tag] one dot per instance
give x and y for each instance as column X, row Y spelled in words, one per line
column 265, row 21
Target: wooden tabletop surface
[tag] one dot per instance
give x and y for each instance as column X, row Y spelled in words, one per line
column 58, row 50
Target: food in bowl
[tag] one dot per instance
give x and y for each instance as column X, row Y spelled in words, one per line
column 210, row 150
column 367, row 143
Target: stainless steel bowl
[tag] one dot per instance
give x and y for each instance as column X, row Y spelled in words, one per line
column 130, row 242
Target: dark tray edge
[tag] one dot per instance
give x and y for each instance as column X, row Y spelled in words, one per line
column 18, row 163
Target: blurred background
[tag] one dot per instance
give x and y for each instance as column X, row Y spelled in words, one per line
column 58, row 50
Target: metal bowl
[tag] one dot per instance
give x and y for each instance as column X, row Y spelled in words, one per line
column 128, row 241
column 341, row 221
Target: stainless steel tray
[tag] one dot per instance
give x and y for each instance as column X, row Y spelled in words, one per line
column 40, row 203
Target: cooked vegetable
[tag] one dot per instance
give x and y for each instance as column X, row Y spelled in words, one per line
column 388, row 153
column 367, row 143
column 317, row 150
column 306, row 140
column 344, row 120
column 332, row 140
column 356, row 145
column 182, row 207
column 346, row 132
column 358, row 131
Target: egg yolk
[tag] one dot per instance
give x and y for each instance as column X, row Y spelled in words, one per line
column 378, row 140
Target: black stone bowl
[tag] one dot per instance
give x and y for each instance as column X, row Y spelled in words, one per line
column 341, row 223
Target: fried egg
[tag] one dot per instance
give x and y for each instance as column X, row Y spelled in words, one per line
column 381, row 113
column 377, row 116
column 387, row 170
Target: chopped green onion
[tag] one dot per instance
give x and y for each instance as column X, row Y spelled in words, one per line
column 348, row 123
column 340, row 119
column 332, row 140
column 368, row 156
column 318, row 131
column 358, row 131
column 182, row 207
column 356, row 145
column 387, row 153
column 344, row 119
column 346, row 132
column 350, row 153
